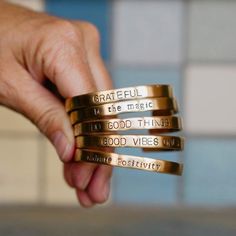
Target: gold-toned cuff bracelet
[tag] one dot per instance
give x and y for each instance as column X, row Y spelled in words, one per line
column 160, row 143
column 115, row 95
column 126, row 161
column 160, row 123
column 168, row 105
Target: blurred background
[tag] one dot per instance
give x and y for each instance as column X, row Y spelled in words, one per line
column 189, row 44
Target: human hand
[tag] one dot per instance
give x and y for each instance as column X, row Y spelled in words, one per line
column 36, row 48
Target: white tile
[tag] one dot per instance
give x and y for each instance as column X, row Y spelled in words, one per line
column 18, row 171
column 12, row 121
column 212, row 30
column 147, row 32
column 210, row 100
column 57, row 190
column 37, row 5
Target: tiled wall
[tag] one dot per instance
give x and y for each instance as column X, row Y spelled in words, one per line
column 188, row 44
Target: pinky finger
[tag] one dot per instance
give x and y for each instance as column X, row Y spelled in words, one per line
column 84, row 198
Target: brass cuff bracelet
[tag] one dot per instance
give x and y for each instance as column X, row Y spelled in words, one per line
column 126, row 161
column 163, row 104
column 160, row 123
column 115, row 95
column 160, row 143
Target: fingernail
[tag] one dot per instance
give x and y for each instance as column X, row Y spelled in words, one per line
column 63, row 147
column 106, row 191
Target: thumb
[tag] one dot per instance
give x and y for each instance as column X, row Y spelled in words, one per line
column 45, row 110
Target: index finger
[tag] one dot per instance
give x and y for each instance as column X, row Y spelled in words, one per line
column 65, row 61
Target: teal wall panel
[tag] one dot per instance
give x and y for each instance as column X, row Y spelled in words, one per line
column 97, row 12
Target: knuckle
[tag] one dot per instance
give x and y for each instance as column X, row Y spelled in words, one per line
column 4, row 91
column 7, row 87
column 92, row 32
column 64, row 30
column 63, row 44
column 61, row 57
column 68, row 30
column 47, row 121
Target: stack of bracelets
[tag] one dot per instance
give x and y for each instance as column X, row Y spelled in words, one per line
column 96, row 126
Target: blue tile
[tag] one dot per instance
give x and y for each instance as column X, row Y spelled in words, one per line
column 210, row 176
column 93, row 11
column 146, row 188
column 138, row 187
column 124, row 77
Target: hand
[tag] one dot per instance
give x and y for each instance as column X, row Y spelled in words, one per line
column 35, row 48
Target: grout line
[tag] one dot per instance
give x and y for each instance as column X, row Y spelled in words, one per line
column 212, row 62
column 173, row 65
column 41, row 168
column 111, row 67
column 185, row 49
column 144, row 65
column 213, row 137
column 18, row 134
column 110, row 30
column 148, row 67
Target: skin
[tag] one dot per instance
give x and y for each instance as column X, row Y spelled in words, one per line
column 36, row 48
